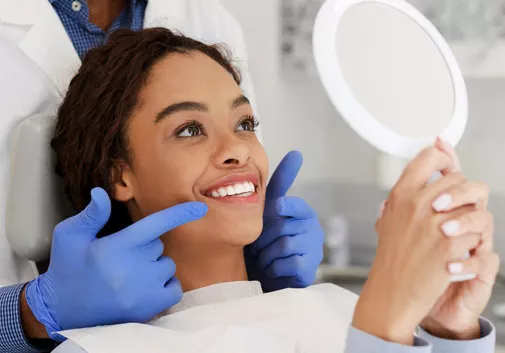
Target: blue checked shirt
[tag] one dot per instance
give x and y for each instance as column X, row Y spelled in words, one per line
column 12, row 339
column 84, row 36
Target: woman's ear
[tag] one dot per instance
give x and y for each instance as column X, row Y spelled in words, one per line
column 122, row 177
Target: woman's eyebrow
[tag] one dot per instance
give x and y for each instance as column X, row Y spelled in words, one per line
column 195, row 106
column 237, row 102
column 180, row 107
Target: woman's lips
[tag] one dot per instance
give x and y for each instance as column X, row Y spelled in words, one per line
column 236, row 188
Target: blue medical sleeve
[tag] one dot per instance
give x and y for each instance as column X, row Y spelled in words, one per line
column 362, row 342
column 12, row 337
column 486, row 344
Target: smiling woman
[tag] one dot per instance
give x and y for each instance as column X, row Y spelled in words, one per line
column 150, row 127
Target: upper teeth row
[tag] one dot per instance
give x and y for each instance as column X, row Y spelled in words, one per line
column 235, row 189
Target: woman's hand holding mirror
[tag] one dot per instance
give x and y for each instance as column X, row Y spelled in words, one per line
column 420, row 248
column 456, row 313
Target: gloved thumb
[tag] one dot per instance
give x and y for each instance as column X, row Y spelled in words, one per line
column 94, row 217
column 90, row 221
column 284, row 175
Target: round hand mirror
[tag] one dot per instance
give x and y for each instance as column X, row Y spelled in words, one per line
column 390, row 74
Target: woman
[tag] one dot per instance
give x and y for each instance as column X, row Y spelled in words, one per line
column 157, row 119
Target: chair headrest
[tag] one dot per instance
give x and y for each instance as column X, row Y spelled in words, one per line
column 36, row 201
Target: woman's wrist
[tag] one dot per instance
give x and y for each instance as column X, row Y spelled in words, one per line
column 381, row 317
column 469, row 332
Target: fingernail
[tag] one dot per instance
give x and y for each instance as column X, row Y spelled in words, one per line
column 442, row 203
column 456, row 268
column 451, row 228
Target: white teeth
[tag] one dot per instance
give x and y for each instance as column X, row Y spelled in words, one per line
column 243, row 189
column 239, row 189
column 245, row 194
column 230, row 190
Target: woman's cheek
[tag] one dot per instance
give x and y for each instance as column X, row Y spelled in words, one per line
column 261, row 161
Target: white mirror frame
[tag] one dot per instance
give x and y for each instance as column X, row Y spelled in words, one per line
column 376, row 133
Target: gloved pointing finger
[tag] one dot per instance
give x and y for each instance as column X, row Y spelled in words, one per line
column 116, row 279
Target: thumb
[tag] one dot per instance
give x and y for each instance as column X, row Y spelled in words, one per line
column 94, row 217
column 447, row 148
column 284, row 175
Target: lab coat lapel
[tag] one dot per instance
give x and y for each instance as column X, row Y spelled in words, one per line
column 47, row 42
column 166, row 13
column 199, row 20
column 186, row 16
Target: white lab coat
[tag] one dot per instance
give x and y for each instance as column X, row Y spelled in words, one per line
column 38, row 60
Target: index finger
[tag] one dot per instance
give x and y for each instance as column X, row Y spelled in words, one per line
column 157, row 224
column 419, row 171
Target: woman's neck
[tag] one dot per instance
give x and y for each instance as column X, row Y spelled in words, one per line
column 102, row 13
column 203, row 267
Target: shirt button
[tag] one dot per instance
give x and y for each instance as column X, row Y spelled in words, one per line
column 76, row 6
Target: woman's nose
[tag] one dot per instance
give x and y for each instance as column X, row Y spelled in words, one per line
column 232, row 152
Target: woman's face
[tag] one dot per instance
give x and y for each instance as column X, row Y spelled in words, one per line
column 192, row 139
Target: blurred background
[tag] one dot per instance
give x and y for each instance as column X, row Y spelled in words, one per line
column 343, row 176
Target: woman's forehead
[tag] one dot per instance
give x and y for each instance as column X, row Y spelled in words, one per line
column 189, row 77
column 191, row 70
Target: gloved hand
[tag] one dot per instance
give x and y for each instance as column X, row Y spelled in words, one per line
column 290, row 248
column 116, row 279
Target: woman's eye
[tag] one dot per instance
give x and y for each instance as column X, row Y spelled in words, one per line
column 248, row 124
column 190, row 131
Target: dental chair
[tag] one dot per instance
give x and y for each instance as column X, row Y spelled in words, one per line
column 36, row 201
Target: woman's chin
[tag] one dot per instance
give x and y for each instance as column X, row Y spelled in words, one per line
column 242, row 236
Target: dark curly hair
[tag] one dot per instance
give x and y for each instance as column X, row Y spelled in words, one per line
column 90, row 138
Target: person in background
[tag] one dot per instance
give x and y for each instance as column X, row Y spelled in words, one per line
column 42, row 43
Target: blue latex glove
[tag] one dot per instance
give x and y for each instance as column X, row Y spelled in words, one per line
column 116, row 279
column 290, row 248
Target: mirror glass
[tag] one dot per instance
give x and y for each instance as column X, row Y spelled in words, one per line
column 390, row 74
column 394, row 70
